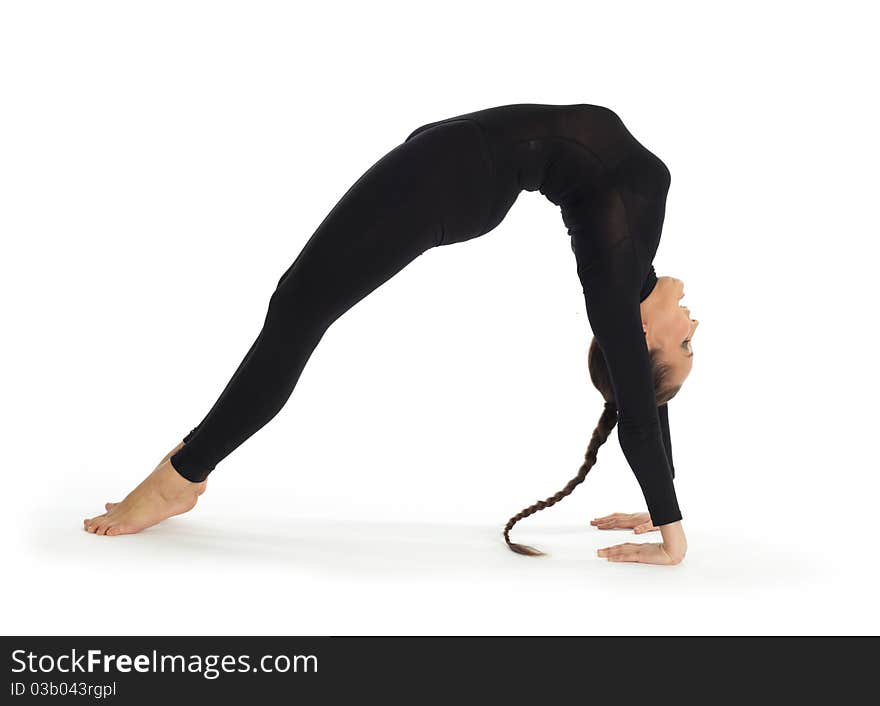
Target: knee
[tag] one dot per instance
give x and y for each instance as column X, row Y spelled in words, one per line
column 294, row 316
column 286, row 306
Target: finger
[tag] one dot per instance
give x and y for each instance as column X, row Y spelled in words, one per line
column 607, row 524
column 617, row 548
column 607, row 551
column 624, row 521
column 627, row 556
column 606, row 518
column 624, row 548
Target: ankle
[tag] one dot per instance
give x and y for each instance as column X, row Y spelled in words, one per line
column 171, row 483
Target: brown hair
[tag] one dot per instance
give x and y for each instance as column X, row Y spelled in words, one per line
column 602, row 381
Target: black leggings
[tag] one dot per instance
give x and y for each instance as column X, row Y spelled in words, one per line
column 435, row 189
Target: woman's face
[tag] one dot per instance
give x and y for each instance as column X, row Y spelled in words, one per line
column 669, row 327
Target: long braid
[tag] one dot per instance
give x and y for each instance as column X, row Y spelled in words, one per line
column 607, row 422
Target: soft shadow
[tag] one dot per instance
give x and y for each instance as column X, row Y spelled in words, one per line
column 345, row 547
column 364, row 550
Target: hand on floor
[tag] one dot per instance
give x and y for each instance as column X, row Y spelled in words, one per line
column 638, row 522
column 645, row 553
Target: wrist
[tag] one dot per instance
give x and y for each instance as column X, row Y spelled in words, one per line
column 674, row 540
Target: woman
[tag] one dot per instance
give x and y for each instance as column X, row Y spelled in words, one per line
column 450, row 181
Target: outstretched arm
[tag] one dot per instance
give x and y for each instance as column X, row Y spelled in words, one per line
column 609, row 272
column 663, row 411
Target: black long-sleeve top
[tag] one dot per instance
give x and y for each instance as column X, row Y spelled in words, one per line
column 612, row 195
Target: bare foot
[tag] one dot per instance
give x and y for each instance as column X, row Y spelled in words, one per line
column 110, row 506
column 160, row 495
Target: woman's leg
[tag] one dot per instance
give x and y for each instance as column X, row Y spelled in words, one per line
column 437, row 185
column 335, row 270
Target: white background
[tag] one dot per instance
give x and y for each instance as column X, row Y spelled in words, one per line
column 161, row 164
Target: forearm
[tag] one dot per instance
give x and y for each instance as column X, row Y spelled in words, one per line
column 646, row 457
column 663, row 412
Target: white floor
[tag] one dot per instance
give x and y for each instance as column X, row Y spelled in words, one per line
column 234, row 567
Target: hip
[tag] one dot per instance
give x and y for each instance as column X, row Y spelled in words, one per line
column 452, row 163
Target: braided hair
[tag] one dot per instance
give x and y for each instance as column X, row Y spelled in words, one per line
column 607, row 421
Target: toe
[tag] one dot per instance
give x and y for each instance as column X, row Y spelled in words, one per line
column 97, row 523
column 118, row 528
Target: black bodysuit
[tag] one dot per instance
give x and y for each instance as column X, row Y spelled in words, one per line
column 450, row 181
